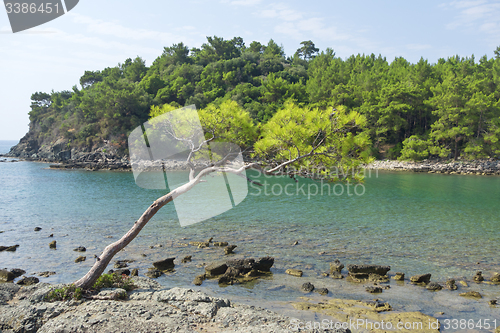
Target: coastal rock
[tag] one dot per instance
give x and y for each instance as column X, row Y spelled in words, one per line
column 220, row 244
column 368, row 269
column 471, row 294
column 45, row 274
column 121, row 264
column 422, row 278
column 198, row 280
column 373, row 289
column 112, row 293
column 165, row 265
column 7, row 292
column 28, row 281
column 450, row 284
column 216, row 269
column 80, row 259
column 294, row 272
column 399, row 276
column 186, row 259
column 11, row 248
column 80, row 249
column 37, row 229
column 6, row 276
column 322, row 291
column 17, row 272
column 434, row 286
column 478, row 277
column 336, row 275
column 229, row 249
column 264, row 264
column 153, row 273
column 307, row 287
column 336, row 266
column 200, row 244
column 53, row 244
column 495, row 278
column 134, row 272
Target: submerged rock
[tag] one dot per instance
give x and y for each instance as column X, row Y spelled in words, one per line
column 450, row 284
column 336, row 266
column 186, row 259
column 471, row 294
column 373, row 289
column 322, row 291
column 199, row 279
column 153, row 273
column 307, row 287
column 434, row 286
column 164, row 265
column 229, row 249
column 422, row 278
column 17, row 272
column 294, row 272
column 28, row 281
column 399, row 276
column 478, row 277
column 80, row 259
column 80, row 249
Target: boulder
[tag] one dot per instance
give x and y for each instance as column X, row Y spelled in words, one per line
column 373, row 289
column 294, row 272
column 80, row 259
column 307, row 287
column 265, row 263
column 186, row 259
column 216, row 269
column 28, row 281
column 368, row 269
column 153, row 273
column 321, row 291
column 472, row 294
column 450, row 284
column 6, row 276
column 199, row 279
column 422, row 278
column 164, row 265
column 17, row 272
column 229, row 249
column 336, row 266
column 434, row 286
column 478, row 277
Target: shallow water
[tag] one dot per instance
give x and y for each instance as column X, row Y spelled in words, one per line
column 446, row 225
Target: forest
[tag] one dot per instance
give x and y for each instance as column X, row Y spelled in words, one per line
column 449, row 109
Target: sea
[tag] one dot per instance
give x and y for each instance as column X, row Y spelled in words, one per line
column 417, row 223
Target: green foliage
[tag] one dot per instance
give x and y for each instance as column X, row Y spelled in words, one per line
column 333, row 139
column 114, row 281
column 454, row 104
column 414, row 148
column 63, row 294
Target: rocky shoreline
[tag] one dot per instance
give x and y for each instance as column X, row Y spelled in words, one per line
column 149, row 308
column 461, row 167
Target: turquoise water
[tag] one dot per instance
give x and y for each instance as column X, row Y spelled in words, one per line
column 447, row 225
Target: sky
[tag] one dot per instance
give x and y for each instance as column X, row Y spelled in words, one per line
column 98, row 34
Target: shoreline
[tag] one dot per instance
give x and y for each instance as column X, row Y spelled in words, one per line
column 487, row 167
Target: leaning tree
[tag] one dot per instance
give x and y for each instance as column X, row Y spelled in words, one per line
column 297, row 142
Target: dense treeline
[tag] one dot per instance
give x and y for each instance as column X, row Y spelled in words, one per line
column 450, row 109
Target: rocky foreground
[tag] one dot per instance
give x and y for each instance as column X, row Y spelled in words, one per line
column 149, row 308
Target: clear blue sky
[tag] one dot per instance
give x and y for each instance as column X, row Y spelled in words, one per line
column 99, row 34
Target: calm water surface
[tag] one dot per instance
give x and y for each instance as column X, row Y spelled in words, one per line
column 417, row 223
